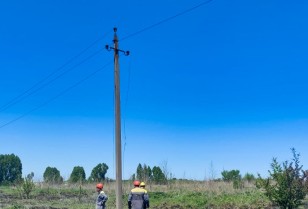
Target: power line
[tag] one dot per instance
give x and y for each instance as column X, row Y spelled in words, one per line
column 42, row 85
column 57, row 96
column 37, row 86
column 22, row 97
column 125, row 106
column 167, row 19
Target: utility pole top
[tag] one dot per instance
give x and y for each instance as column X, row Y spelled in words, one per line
column 115, row 48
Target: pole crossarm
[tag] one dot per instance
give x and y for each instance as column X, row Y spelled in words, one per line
column 109, row 48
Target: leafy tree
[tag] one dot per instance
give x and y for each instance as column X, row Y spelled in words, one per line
column 10, row 168
column 78, row 175
column 144, row 173
column 99, row 172
column 139, row 171
column 286, row 185
column 52, row 176
column 158, row 175
column 133, row 177
column 30, row 176
column 249, row 177
column 232, row 176
column 147, row 173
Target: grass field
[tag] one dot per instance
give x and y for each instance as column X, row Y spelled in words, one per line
column 176, row 195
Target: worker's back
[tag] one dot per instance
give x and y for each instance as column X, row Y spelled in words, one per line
column 136, row 198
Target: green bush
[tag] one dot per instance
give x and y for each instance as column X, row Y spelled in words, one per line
column 28, row 186
column 286, row 186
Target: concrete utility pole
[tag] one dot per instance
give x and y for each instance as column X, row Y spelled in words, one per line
column 118, row 148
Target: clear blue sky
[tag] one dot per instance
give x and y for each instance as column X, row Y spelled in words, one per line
column 221, row 87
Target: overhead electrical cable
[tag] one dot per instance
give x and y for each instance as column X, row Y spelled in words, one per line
column 57, row 96
column 166, row 20
column 146, row 29
column 43, row 85
column 125, row 105
column 37, row 86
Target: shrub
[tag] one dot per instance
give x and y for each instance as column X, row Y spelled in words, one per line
column 286, row 185
column 28, row 185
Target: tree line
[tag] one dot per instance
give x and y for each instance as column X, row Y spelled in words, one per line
column 150, row 175
column 286, row 186
column 78, row 175
column 11, row 172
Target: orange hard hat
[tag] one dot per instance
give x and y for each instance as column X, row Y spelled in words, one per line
column 136, row 183
column 99, row 186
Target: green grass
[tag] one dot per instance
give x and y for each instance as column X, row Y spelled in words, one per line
column 199, row 200
column 178, row 195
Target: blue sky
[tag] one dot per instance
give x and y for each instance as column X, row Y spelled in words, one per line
column 218, row 88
